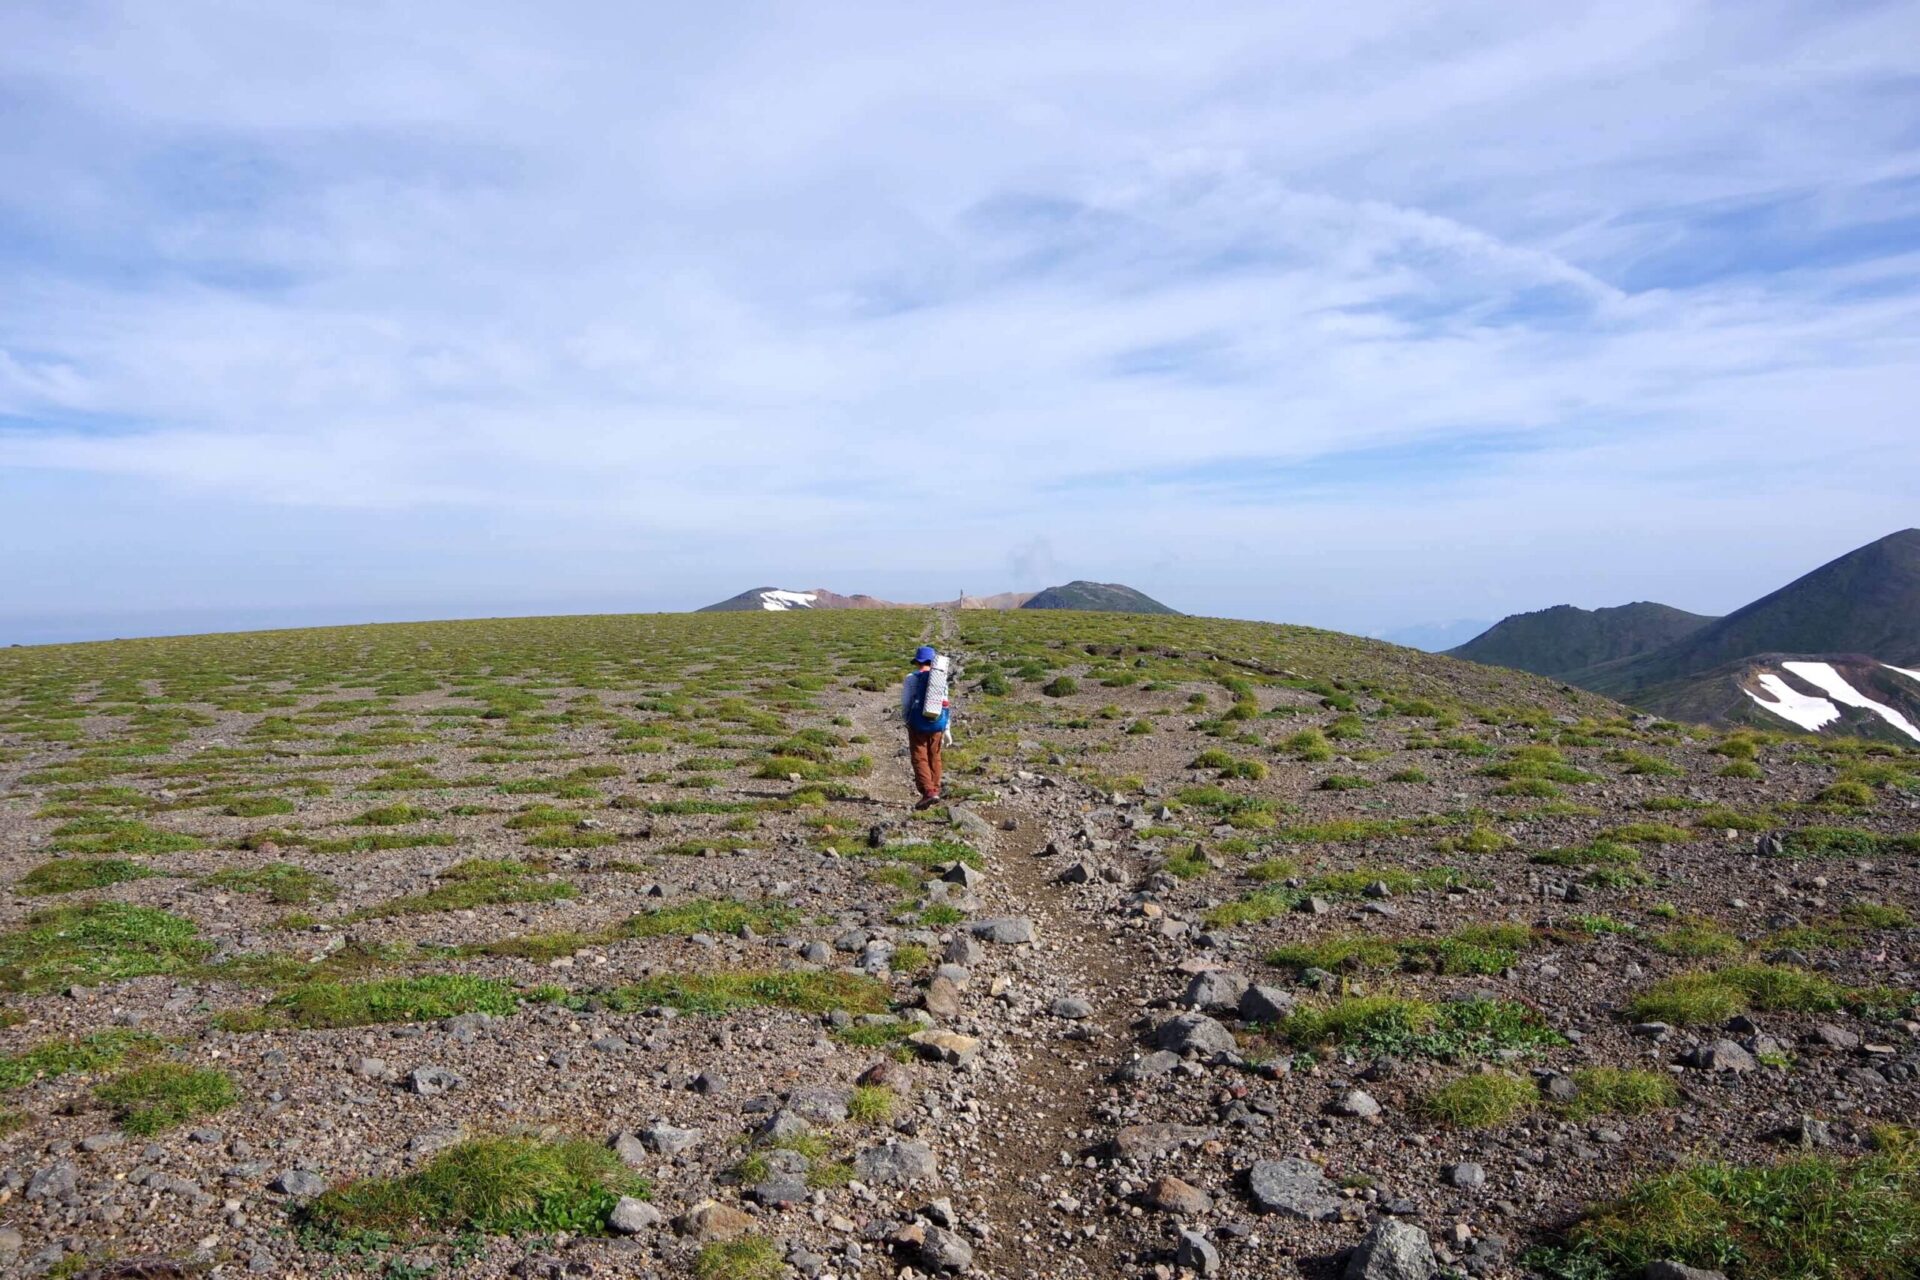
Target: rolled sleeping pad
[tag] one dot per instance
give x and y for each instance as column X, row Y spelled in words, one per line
column 936, row 700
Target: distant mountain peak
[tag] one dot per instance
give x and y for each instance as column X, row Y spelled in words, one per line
column 1103, row 597
column 1566, row 638
column 1097, row 597
column 1832, row 651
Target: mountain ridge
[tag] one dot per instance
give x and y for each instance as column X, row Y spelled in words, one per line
column 1834, row 650
column 1864, row 602
column 1565, row 638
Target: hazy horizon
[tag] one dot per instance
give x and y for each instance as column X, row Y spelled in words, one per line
column 56, row 629
column 1373, row 317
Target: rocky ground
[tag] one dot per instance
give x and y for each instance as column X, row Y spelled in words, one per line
column 1211, row 965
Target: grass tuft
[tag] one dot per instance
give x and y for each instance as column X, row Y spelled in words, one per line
column 500, row 1185
column 71, row 875
column 1481, row 1101
column 380, row 1000
column 150, row 1099
column 96, row 942
column 748, row 1258
column 1814, row 1218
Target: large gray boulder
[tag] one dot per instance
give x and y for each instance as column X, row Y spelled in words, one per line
column 1216, row 991
column 896, row 1164
column 1194, row 1033
column 1006, row 930
column 1294, row 1187
column 1393, row 1250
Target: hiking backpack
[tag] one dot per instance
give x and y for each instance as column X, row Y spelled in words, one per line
column 935, row 699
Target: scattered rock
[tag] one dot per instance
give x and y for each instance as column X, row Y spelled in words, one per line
column 631, row 1216
column 1664, row 1270
column 1266, row 1004
column 896, row 1164
column 941, row 998
column 56, row 1181
column 1357, row 1102
column 302, row 1184
column 1467, row 1175
column 949, row 1047
column 1835, row 1037
column 1194, row 1033
column 667, row 1139
column 1006, row 930
column 1216, row 991
column 1294, row 1187
column 709, row 1220
column 431, row 1082
column 1154, row 1065
column 1144, row 1141
column 1722, row 1055
column 1172, row 1195
column 1393, row 1250
column 943, row 1250
column 1197, row 1254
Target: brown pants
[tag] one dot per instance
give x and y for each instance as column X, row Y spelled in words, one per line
column 925, row 750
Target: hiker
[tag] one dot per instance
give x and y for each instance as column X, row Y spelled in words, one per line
column 925, row 733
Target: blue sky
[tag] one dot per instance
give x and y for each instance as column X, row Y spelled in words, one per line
column 1364, row 315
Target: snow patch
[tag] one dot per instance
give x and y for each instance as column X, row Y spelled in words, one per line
column 1825, row 678
column 1790, row 704
column 779, row 601
column 1911, row 675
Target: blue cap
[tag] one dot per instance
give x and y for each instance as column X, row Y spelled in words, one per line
column 924, row 653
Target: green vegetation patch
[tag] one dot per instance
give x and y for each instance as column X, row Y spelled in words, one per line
column 70, row 875
column 1714, row 995
column 709, row 915
column 1844, row 842
column 1696, row 939
column 476, row 882
column 360, row 1004
column 501, row 1185
column 1481, row 1101
column 1813, row 1218
column 96, row 942
column 394, row 815
column 53, row 1058
column 161, row 1095
column 1404, row 1027
column 1617, row 1091
column 1648, row 833
column 281, row 882
column 120, row 835
column 1475, row 949
column 1601, row 853
column 751, row 1257
column 714, row 993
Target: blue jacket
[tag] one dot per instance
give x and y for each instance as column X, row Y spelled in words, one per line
column 912, row 693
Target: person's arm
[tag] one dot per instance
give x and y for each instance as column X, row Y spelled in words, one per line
column 906, row 694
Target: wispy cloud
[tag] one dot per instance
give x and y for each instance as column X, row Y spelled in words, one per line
column 1354, row 317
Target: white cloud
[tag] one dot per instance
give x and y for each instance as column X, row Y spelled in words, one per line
column 668, row 295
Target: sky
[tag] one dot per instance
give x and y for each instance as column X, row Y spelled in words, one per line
column 1364, row 315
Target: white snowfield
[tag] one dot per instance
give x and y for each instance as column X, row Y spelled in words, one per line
column 1790, row 704
column 1822, row 676
column 778, row 601
column 1911, row 675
